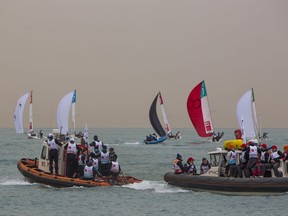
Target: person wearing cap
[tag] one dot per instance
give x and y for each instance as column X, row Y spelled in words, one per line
column 72, row 150
column 275, row 157
column 252, row 156
column 53, row 153
column 205, row 166
column 190, row 166
column 112, row 153
column 243, row 161
column 178, row 165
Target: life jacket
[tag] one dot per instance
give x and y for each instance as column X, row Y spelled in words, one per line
column 88, row 172
column 95, row 163
column 115, row 167
column 80, row 162
column 253, row 153
column 192, row 169
column 177, row 169
column 242, row 157
column 72, row 148
column 52, row 144
column 205, row 168
column 232, row 158
column 275, row 155
column 91, row 148
column 105, row 158
column 99, row 144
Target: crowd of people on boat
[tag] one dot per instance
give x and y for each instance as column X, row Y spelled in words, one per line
column 86, row 162
column 189, row 167
column 254, row 161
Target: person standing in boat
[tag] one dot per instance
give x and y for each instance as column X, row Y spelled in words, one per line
column 53, row 153
column 112, row 153
column 275, row 157
column 96, row 162
column 243, row 161
column 205, row 166
column 82, row 158
column 41, row 134
column 178, row 165
column 104, row 161
column 231, row 161
column 72, row 150
column 252, row 156
column 94, row 143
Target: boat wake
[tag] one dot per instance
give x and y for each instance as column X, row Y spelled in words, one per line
column 157, row 186
column 133, row 143
column 15, row 182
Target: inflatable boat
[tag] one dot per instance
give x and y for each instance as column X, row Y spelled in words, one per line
column 37, row 170
column 215, row 181
column 29, row 169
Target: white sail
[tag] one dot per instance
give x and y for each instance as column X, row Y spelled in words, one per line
column 245, row 112
column 18, row 114
column 165, row 118
column 63, row 113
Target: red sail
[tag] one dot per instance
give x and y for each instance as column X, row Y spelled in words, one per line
column 194, row 109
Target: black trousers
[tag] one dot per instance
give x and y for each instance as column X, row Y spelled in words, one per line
column 53, row 157
column 71, row 165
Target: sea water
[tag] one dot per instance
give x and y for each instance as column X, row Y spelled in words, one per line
column 153, row 196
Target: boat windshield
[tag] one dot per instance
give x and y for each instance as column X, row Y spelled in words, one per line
column 217, row 159
column 43, row 152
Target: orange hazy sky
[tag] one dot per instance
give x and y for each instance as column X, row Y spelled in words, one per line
column 119, row 54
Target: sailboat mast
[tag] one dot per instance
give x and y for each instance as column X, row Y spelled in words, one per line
column 256, row 127
column 73, row 112
column 30, row 114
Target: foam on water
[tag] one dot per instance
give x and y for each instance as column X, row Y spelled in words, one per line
column 133, row 143
column 15, row 182
column 157, row 186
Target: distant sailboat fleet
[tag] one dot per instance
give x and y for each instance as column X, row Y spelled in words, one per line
column 197, row 107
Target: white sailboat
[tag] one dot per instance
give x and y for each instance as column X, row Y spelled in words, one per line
column 18, row 116
column 63, row 113
column 18, row 113
column 246, row 116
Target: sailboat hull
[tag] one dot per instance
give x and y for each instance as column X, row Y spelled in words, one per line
column 161, row 139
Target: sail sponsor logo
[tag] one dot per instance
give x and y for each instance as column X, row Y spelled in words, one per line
column 208, row 126
column 196, row 104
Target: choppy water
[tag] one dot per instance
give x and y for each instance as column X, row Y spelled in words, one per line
column 148, row 162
